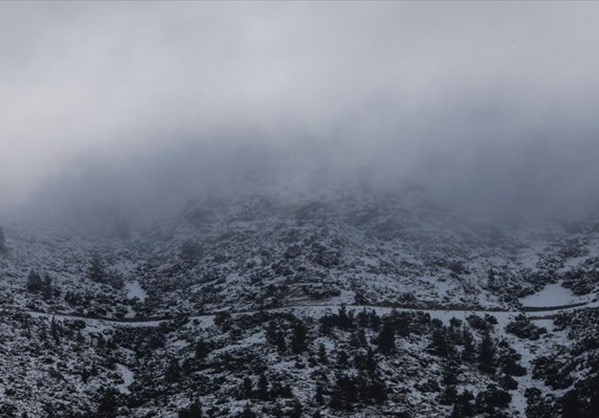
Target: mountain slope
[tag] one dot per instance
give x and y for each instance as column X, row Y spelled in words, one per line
column 284, row 306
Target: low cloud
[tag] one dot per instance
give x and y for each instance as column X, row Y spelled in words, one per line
column 130, row 103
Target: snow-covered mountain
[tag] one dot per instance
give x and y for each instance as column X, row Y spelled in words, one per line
column 340, row 303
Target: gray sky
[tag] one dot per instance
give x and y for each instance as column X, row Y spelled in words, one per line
column 464, row 97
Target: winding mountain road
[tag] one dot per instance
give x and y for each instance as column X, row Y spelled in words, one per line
column 435, row 310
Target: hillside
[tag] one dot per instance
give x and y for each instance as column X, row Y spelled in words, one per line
column 336, row 304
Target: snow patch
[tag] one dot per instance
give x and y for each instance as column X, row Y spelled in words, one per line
column 134, row 290
column 551, row 295
column 127, row 376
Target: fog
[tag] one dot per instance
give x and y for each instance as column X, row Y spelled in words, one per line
column 131, row 105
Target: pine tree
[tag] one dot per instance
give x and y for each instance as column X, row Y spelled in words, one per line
column 463, row 406
column 108, row 406
column 277, row 411
column 173, row 371
column 322, row 354
column 342, row 358
column 344, row 321
column 247, row 388
column 440, row 344
column 486, row 354
column 469, row 352
column 344, row 393
column 186, row 367
column 271, row 332
column 93, row 371
column 298, row 340
column 247, row 412
column 201, row 350
column 85, row 375
column 448, row 396
column 508, row 359
column 281, row 343
column 34, row 282
column 455, row 322
column 455, row 331
column 375, row 320
column 386, row 338
column 450, row 371
column 262, row 390
column 371, row 363
column 296, row 409
column 319, row 396
column 193, row 411
column 377, row 390
column 491, row 399
column 55, row 331
column 363, row 319
column 47, row 288
column 356, row 340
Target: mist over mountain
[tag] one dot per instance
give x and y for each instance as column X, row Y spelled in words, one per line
column 502, row 168
column 484, row 106
column 299, row 209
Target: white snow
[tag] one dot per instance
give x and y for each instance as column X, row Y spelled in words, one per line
column 551, row 295
column 127, row 376
column 134, row 290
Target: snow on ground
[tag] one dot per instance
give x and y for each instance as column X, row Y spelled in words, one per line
column 548, row 324
column 530, row 256
column 531, row 349
column 127, row 376
column 134, row 290
column 551, row 295
column 203, row 321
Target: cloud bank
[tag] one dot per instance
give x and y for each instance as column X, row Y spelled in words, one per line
column 481, row 103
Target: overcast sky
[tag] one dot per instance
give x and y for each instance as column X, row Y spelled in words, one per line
column 464, row 97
